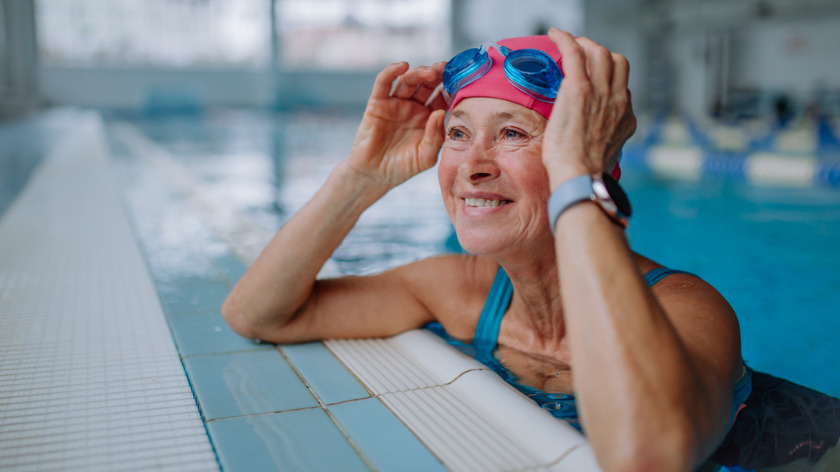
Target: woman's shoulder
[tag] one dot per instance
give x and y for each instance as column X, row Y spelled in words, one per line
column 687, row 298
column 454, row 288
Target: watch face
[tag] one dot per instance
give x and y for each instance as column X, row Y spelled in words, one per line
column 618, row 196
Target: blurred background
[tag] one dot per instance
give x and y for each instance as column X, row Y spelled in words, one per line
column 246, row 105
column 742, row 58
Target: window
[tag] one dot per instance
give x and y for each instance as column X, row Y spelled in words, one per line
column 172, row 33
column 361, row 34
column 311, row 34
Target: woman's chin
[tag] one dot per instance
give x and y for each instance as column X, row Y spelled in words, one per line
column 481, row 245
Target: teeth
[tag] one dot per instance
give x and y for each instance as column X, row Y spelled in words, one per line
column 480, row 202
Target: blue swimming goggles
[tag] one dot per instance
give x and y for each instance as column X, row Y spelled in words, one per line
column 529, row 70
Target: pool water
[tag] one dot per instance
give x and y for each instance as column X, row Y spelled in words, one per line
column 772, row 252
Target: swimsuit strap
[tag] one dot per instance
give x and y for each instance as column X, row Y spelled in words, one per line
column 660, row 273
column 498, row 300
column 490, row 321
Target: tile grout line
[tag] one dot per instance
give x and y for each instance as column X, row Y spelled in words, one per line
column 265, row 413
column 329, row 414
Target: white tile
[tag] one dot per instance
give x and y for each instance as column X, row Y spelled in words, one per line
column 478, row 422
column 411, row 360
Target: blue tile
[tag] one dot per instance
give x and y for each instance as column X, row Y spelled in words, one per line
column 189, row 296
column 297, row 440
column 328, row 377
column 246, row 383
column 383, row 438
column 230, row 266
column 209, row 334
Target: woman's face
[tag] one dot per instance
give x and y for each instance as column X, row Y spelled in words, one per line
column 494, row 184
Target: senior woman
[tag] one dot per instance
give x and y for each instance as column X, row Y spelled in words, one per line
column 653, row 365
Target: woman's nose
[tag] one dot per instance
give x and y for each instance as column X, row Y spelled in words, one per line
column 479, row 164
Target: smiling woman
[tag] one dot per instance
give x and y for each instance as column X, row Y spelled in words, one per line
column 577, row 298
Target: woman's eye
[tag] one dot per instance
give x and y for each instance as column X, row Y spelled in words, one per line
column 455, row 133
column 512, row 134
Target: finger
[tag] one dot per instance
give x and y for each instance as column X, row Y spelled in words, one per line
column 573, row 60
column 599, row 63
column 432, row 139
column 401, row 89
column 413, row 81
column 424, row 80
column 621, row 72
column 385, row 79
column 423, row 93
column 620, row 90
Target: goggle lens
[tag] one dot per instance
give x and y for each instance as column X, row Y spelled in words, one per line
column 534, row 72
column 465, row 68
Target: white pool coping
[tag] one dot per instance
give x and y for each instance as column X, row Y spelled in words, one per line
column 464, row 412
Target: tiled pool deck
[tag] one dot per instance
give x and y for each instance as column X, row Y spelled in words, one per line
column 114, row 356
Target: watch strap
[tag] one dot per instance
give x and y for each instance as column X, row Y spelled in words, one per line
column 569, row 193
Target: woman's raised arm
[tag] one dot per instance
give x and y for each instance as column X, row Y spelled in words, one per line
column 399, row 137
column 654, row 374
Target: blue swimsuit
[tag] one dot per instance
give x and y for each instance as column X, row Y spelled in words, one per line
column 562, row 406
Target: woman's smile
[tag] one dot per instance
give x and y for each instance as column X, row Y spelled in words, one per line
column 480, row 202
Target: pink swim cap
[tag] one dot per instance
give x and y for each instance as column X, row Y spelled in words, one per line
column 494, row 83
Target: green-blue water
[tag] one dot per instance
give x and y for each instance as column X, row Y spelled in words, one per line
column 774, row 253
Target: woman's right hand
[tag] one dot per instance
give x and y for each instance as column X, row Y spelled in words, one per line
column 400, row 134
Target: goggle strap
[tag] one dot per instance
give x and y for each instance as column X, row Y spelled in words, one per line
column 437, row 91
column 485, row 46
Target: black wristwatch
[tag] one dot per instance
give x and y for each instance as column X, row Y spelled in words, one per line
column 602, row 189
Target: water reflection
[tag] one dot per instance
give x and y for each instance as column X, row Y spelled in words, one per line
column 545, row 380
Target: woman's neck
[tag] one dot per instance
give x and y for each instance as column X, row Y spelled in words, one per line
column 534, row 322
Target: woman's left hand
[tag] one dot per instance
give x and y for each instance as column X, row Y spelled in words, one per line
column 592, row 115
